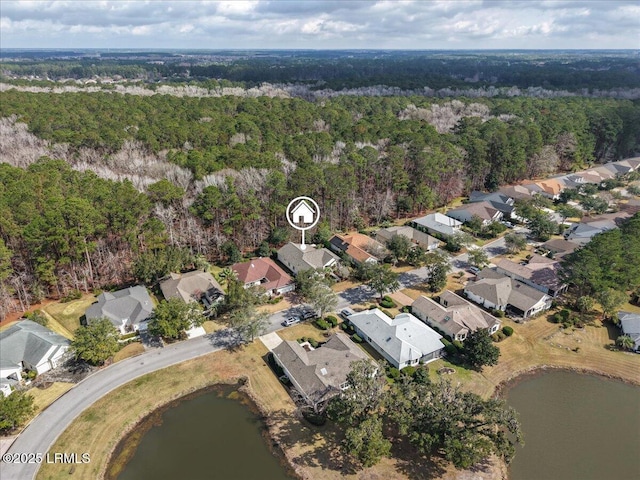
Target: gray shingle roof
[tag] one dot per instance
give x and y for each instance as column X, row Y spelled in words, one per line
column 416, row 236
column 503, row 290
column 320, row 370
column 404, row 338
column 130, row 305
column 454, row 313
column 630, row 325
column 29, row 342
column 298, row 260
column 190, row 286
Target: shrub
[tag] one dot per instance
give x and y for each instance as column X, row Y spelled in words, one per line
column 458, row 344
column 387, row 298
column 387, row 313
column 314, row 418
column 393, row 372
column 332, row 320
column 449, row 347
column 508, row 331
column 408, row 371
column 37, row 317
column 72, row 295
column 406, row 309
column 371, row 307
column 129, row 335
column 385, row 304
column 356, row 338
column 313, row 343
column 322, row 324
column 497, row 313
column 498, row 336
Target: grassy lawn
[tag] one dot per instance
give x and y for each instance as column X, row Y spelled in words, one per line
column 306, row 329
column 131, row 350
column 210, row 326
column 275, row 307
column 68, row 314
column 43, row 397
column 344, row 285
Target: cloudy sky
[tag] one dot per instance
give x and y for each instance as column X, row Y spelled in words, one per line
column 417, row 24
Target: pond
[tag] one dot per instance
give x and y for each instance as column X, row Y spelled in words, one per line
column 209, row 436
column 576, row 427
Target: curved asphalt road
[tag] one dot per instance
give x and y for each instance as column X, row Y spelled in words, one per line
column 42, row 432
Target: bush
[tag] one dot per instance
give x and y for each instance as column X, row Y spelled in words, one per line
column 393, row 372
column 387, row 313
column 508, row 331
column 449, row 347
column 322, row 324
column 406, row 309
column 356, row 338
column 371, row 307
column 274, row 300
column 497, row 313
column 129, row 335
column 458, row 345
column 332, row 320
column 37, row 317
column 313, row 343
column 408, row 371
column 314, row 418
column 498, row 336
column 385, row 304
column 72, row 295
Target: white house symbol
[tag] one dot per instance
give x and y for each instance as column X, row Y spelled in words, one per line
column 303, row 212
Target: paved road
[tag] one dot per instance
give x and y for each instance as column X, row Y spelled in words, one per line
column 40, row 435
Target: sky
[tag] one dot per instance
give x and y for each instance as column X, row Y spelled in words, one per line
column 318, row 24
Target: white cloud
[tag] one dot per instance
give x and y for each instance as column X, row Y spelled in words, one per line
column 322, row 24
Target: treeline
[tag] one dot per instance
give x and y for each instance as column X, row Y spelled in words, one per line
column 338, row 70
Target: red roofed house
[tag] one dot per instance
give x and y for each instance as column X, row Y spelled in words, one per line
column 264, row 273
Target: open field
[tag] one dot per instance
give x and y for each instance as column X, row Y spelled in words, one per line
column 43, row 397
column 68, row 314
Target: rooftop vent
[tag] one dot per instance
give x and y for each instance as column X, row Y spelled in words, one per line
column 323, row 371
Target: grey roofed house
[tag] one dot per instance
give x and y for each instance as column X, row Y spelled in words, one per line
column 516, row 191
column 437, row 223
column 630, row 325
column 417, row 237
column 319, row 373
column 31, row 346
column 541, row 273
column 195, row 286
column 496, row 291
column 454, row 315
column 297, row 260
column 483, row 209
column 499, row 201
column 128, row 309
column 560, row 247
column 403, row 340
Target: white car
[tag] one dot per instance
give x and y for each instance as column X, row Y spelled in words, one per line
column 346, row 313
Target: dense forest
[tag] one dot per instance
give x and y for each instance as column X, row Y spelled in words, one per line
column 100, row 189
column 573, row 71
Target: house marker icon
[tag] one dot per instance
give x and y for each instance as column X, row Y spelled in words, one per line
column 303, row 214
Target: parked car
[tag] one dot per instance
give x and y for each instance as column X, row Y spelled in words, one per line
column 346, row 313
column 308, row 314
column 508, row 224
column 474, row 270
column 291, row 321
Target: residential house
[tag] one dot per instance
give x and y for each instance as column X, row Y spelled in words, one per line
column 532, row 187
column 550, row 188
column 540, row 273
column 265, row 273
column 27, row 345
column 517, row 192
column 195, row 286
column 297, row 259
column 498, row 200
column 319, row 373
column 437, row 224
column 632, row 163
column 499, row 292
column 484, row 210
column 421, row 239
column 585, row 230
column 559, row 247
column 128, row 309
column 358, row 247
column 403, row 340
column 453, row 315
column 630, row 325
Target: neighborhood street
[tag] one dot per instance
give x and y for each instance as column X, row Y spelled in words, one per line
column 42, row 432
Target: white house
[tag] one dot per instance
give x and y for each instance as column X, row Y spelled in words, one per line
column 437, row 224
column 403, row 341
column 302, row 213
column 29, row 346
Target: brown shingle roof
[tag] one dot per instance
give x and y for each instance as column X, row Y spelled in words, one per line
column 264, row 270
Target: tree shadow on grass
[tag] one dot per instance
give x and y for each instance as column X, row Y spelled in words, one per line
column 413, row 464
